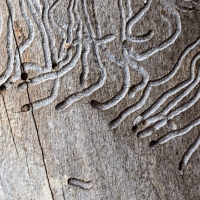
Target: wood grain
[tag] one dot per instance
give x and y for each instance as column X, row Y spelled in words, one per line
column 87, row 87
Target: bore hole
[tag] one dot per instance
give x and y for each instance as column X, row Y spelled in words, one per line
column 24, row 76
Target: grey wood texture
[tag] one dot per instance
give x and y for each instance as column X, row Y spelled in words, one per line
column 107, row 80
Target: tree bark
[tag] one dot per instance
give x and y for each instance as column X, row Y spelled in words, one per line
column 99, row 100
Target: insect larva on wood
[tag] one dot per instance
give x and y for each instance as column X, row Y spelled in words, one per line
column 85, row 185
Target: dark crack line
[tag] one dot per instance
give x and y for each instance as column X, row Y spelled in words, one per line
column 13, row 137
column 21, row 67
column 35, row 124
column 63, row 193
column 39, row 141
column 22, row 70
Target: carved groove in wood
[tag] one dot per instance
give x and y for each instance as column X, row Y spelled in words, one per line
column 81, row 37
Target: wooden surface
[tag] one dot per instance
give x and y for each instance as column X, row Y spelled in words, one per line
column 67, row 145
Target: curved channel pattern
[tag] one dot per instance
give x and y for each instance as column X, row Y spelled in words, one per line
column 80, row 37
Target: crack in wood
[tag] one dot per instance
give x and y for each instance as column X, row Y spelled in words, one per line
column 24, row 76
column 13, row 137
column 83, row 36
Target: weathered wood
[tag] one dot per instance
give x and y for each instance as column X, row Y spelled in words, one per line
column 83, row 83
